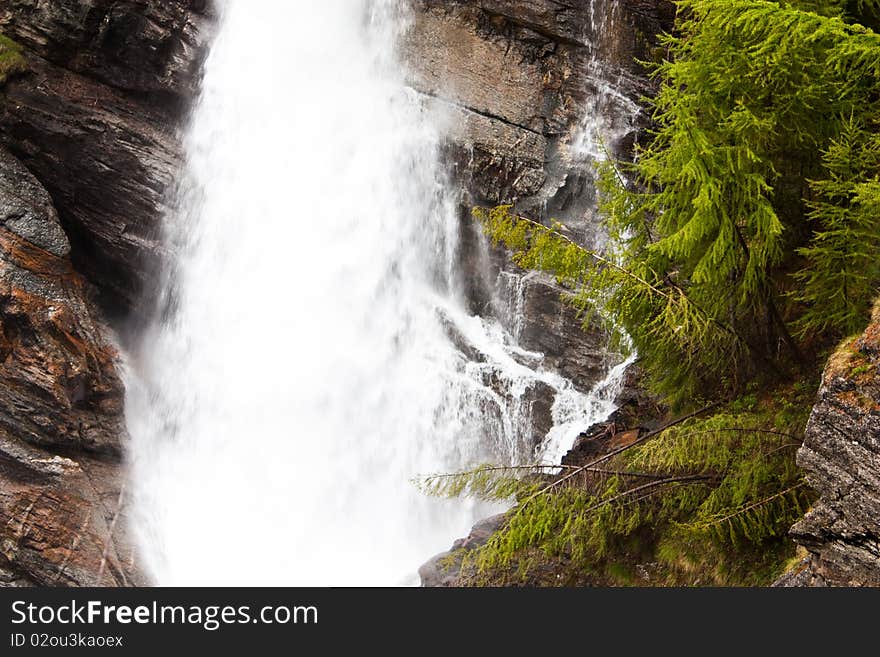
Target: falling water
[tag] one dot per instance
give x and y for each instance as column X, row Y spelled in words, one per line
column 307, row 360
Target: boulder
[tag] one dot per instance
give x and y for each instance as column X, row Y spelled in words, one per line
column 445, row 569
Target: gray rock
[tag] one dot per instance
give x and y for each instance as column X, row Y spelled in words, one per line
column 27, row 210
column 444, row 569
column 841, row 457
column 538, row 399
column 136, row 45
column 800, row 576
column 552, row 326
column 519, row 78
column 509, row 90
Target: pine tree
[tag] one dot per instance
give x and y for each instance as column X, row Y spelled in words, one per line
column 844, row 268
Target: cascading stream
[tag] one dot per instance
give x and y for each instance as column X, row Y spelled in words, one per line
column 301, row 371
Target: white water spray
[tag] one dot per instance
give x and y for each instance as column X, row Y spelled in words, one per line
column 302, row 370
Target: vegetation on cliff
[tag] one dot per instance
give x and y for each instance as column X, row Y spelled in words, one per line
column 747, row 237
column 11, row 59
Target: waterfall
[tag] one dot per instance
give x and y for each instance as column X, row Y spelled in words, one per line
column 311, row 355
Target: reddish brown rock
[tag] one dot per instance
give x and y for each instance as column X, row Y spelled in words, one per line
column 58, row 526
column 61, row 406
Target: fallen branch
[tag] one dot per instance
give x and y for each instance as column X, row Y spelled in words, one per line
column 652, row 484
column 613, row 453
column 754, row 505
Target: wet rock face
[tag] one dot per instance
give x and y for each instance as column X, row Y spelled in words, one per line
column 96, row 119
column 517, row 79
column 501, row 83
column 841, row 457
column 62, row 520
column 531, row 307
column 553, row 328
column 133, row 45
column 61, row 404
column 60, row 386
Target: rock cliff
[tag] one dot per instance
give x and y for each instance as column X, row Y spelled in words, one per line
column 95, row 117
column 519, row 79
column 61, row 406
column 841, row 458
column 90, row 114
column 526, row 83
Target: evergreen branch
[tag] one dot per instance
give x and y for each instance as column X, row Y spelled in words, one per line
column 681, row 299
column 496, row 468
column 626, row 473
column 785, row 446
column 609, row 159
column 695, row 478
column 770, row 432
column 534, row 468
column 750, row 507
column 597, row 257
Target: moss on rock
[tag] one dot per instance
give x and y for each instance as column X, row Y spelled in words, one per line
column 12, row 61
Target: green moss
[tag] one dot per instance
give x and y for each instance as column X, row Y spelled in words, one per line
column 12, row 62
column 622, row 574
